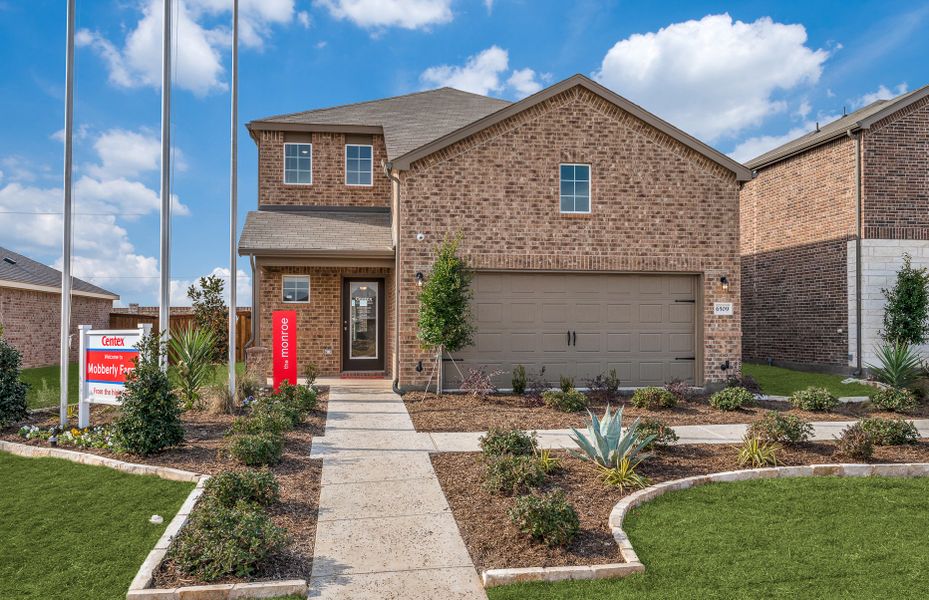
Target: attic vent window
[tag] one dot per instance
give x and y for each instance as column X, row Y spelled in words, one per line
column 9, row 260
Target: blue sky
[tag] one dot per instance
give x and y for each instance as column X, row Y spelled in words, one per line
column 742, row 76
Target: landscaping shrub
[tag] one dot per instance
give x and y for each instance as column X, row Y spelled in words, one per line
column 777, row 427
column 228, row 488
column 623, row 476
column 732, row 398
column 651, row 398
column 682, row 390
column 663, row 434
column 757, row 453
column 605, row 385
column 210, row 313
column 310, row 374
column 814, row 398
column 497, row 442
column 12, row 390
column 264, row 417
column 220, row 541
column 570, row 401
column 548, row 518
column 257, row 449
column 895, row 400
column 150, row 417
column 566, row 383
column 509, row 475
column 855, row 442
column 548, row 462
column 298, row 401
column 479, row 383
column 899, row 366
column 890, row 432
column 519, row 380
column 537, row 385
column 906, row 313
column 192, row 350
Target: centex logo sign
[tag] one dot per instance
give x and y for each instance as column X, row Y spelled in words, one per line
column 113, row 341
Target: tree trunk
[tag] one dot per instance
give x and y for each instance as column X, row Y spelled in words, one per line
column 438, row 358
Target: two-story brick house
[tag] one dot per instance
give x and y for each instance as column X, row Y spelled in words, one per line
column 600, row 236
column 825, row 223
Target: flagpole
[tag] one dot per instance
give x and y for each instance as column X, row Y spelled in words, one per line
column 233, row 196
column 67, row 226
column 164, row 291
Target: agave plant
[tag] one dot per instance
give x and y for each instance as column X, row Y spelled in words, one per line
column 899, row 365
column 606, row 444
column 191, row 351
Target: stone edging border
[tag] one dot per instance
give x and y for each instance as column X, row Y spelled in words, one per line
column 632, row 564
column 138, row 589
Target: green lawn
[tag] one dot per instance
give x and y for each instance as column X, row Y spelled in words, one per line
column 37, row 398
column 75, row 531
column 771, row 538
column 777, row 381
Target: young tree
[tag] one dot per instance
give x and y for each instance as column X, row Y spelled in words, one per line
column 210, row 313
column 445, row 305
column 12, row 390
column 906, row 314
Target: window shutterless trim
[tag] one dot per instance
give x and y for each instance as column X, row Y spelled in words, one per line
column 284, row 165
column 306, row 278
column 590, row 189
column 371, row 146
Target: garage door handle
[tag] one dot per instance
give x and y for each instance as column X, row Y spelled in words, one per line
column 685, row 358
column 569, row 337
column 574, row 342
column 687, row 301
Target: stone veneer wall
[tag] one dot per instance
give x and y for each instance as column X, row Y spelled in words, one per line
column 657, row 206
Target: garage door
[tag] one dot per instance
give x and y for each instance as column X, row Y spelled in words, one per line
column 580, row 325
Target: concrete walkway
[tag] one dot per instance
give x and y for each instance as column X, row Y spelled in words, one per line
column 385, row 529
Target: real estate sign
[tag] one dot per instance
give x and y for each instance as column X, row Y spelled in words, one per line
column 106, row 357
column 285, row 347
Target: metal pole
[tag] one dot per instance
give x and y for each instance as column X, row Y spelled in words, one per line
column 67, row 228
column 233, row 196
column 164, row 291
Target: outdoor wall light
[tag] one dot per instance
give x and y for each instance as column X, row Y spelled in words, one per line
column 724, row 281
column 419, row 278
column 419, row 367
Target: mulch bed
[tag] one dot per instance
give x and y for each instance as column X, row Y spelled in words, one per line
column 201, row 452
column 462, row 412
column 494, row 542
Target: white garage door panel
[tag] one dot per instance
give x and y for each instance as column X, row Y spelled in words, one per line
column 641, row 325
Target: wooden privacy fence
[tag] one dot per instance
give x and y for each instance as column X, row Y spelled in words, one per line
column 243, row 328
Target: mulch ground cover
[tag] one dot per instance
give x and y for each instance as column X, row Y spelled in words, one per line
column 462, row 412
column 202, row 452
column 494, row 542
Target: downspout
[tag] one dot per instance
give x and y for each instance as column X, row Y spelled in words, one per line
column 859, row 344
column 254, row 328
column 388, row 170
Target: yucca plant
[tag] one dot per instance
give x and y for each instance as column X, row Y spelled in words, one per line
column 757, row 453
column 623, row 475
column 899, row 365
column 191, row 352
column 607, row 443
column 547, row 460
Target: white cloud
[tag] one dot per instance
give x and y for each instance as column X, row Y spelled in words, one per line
column 485, row 73
column 406, row 14
column 125, row 153
column 19, row 168
column 713, row 77
column 524, row 82
column 243, row 287
column 79, row 134
column 803, row 110
column 881, row 93
column 303, row 18
column 203, row 33
column 489, row 5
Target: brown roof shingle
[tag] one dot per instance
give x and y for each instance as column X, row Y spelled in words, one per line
column 316, row 232
column 16, row 268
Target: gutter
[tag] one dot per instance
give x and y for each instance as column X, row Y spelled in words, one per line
column 388, row 168
column 255, row 319
column 859, row 218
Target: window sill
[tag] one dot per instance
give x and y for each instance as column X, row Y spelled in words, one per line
column 577, row 215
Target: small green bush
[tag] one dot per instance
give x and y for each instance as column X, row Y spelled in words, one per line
column 757, row 453
column 220, row 541
column 732, row 398
column 777, row 427
column 651, row 398
column 549, row 518
column 231, row 487
column 498, row 442
column 257, row 449
column 814, row 398
column 890, row 432
column 570, row 401
column 12, row 390
column 604, row 385
column 510, row 475
column 895, row 400
column 265, row 417
column 519, row 380
column 566, row 383
column 856, row 443
column 664, row 435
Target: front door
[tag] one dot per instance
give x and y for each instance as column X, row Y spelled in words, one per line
column 363, row 324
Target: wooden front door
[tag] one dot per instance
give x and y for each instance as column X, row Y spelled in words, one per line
column 363, row 324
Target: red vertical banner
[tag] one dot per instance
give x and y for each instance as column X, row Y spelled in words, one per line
column 285, row 347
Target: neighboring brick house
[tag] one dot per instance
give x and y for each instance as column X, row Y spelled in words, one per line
column 600, row 236
column 825, row 223
column 30, row 308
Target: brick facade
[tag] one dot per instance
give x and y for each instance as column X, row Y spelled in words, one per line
column 328, row 187
column 31, row 322
column 657, row 206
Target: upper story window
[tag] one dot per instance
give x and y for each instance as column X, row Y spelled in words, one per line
column 358, row 164
column 575, row 188
column 298, row 163
column 296, row 289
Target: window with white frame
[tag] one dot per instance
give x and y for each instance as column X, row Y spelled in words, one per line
column 296, row 289
column 575, row 188
column 358, row 164
column 298, row 163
